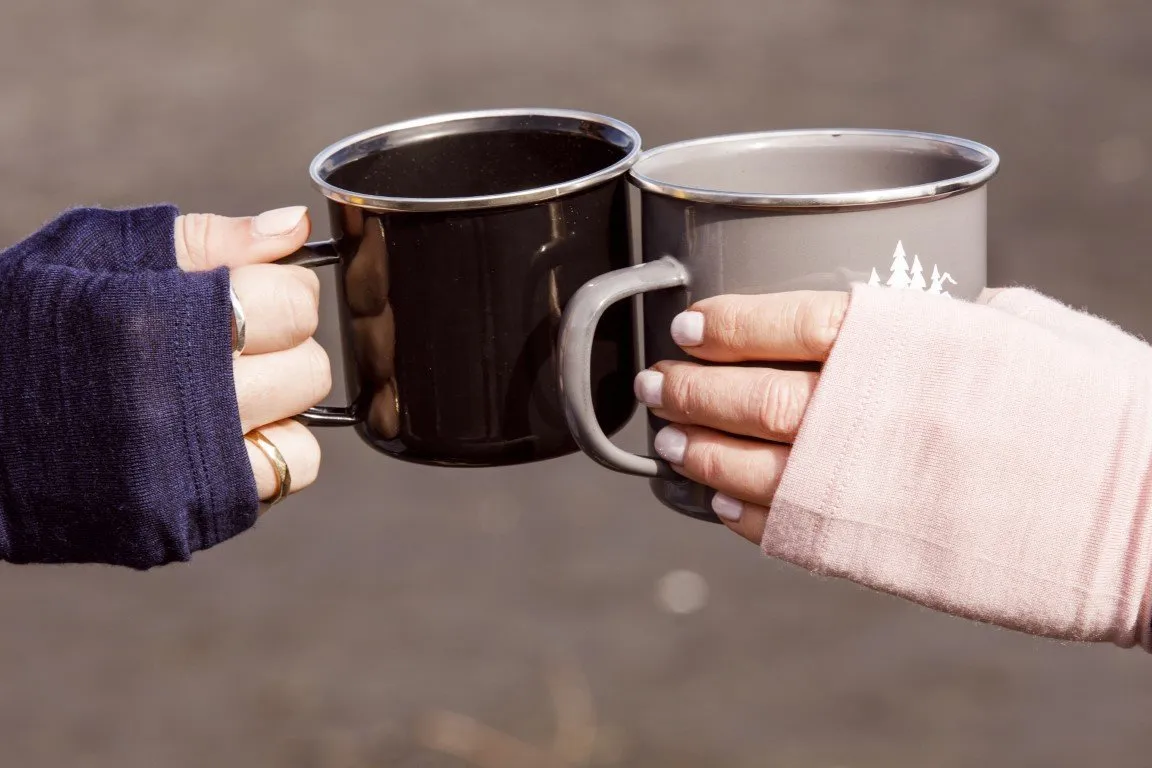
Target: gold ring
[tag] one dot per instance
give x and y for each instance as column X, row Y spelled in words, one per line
column 283, row 475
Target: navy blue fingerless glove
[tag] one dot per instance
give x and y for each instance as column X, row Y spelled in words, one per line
column 120, row 440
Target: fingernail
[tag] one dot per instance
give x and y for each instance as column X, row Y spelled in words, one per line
column 649, row 388
column 727, row 507
column 279, row 222
column 688, row 329
column 670, row 444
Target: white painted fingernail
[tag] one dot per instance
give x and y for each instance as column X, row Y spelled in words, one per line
column 688, row 329
column 279, row 222
column 649, row 388
column 727, row 507
column 671, row 443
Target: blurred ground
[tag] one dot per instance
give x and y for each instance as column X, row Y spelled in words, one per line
column 324, row 638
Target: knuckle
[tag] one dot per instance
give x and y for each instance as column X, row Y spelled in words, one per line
column 308, row 468
column 761, row 473
column 727, row 324
column 777, row 405
column 319, row 371
column 311, row 280
column 818, row 322
column 705, row 460
column 305, row 277
column 302, row 306
column 683, row 392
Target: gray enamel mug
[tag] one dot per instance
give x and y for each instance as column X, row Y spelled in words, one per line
column 779, row 211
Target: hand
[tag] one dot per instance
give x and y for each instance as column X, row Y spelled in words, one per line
column 733, row 426
column 283, row 371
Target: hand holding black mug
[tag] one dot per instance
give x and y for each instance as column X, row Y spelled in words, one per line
column 279, row 368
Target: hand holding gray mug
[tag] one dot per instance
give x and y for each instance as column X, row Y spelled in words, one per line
column 733, row 409
column 773, row 212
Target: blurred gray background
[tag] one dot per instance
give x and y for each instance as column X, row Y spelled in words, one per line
column 393, row 614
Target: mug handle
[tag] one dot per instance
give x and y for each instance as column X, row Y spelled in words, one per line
column 577, row 331
column 312, row 255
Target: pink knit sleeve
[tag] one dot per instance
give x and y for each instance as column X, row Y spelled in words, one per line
column 1073, row 325
column 990, row 461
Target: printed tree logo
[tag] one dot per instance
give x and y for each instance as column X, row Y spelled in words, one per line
column 938, row 281
column 904, row 278
column 899, row 278
column 917, row 275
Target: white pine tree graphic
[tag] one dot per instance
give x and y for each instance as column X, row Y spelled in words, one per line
column 917, row 281
column 938, row 281
column 899, row 278
column 904, row 277
column 935, row 288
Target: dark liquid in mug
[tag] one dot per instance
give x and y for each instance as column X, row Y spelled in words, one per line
column 477, row 164
column 451, row 319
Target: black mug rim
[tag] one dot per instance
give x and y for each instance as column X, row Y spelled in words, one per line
column 359, row 145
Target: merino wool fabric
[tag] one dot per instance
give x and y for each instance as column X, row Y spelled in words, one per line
column 988, row 459
column 120, row 439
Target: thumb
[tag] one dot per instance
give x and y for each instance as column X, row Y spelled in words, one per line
column 205, row 241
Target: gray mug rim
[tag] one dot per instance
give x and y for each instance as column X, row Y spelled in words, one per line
column 373, row 140
column 987, row 159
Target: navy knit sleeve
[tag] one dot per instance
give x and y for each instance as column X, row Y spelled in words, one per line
column 120, row 439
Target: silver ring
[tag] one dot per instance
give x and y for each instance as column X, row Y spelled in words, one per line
column 239, row 324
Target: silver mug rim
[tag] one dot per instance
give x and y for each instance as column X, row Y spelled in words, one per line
column 988, row 162
column 373, row 140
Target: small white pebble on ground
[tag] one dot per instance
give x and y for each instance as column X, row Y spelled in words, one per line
column 682, row 592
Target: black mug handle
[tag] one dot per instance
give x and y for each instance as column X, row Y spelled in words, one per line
column 321, row 253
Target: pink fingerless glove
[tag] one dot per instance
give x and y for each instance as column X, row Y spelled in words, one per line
column 988, row 459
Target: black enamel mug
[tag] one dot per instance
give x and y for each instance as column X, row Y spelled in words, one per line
column 458, row 240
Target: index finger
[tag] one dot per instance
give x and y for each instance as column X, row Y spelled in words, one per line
column 794, row 326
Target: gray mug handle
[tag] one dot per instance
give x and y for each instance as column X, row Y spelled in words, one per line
column 577, row 331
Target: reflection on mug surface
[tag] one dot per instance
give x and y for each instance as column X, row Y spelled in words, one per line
column 458, row 240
